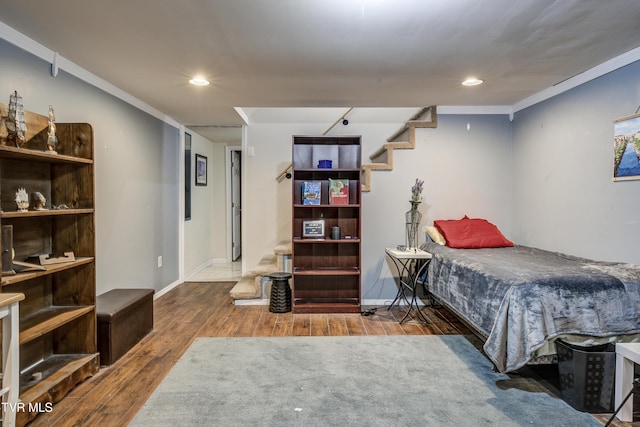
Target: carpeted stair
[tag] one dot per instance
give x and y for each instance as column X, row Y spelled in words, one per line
column 403, row 139
column 249, row 288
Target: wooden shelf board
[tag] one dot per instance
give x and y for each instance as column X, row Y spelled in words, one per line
column 301, row 240
column 50, row 269
column 9, row 152
column 326, row 306
column 327, row 170
column 326, row 271
column 353, row 205
column 49, row 319
column 60, row 373
column 50, row 212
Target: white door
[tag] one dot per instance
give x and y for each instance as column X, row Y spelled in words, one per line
column 236, row 208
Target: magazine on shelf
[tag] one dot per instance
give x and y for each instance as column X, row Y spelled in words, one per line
column 311, row 192
column 338, row 191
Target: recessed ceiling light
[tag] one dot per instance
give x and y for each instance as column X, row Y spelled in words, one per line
column 199, row 81
column 472, row 81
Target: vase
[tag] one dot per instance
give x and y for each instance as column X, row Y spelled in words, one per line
column 412, row 220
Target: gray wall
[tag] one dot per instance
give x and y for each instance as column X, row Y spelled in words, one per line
column 465, row 173
column 136, row 171
column 564, row 197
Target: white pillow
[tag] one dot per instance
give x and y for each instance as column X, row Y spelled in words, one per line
column 435, row 235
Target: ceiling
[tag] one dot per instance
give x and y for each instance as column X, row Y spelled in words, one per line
column 327, row 53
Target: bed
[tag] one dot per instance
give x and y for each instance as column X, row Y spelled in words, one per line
column 520, row 299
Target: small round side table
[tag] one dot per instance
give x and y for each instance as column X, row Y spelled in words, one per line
column 280, row 300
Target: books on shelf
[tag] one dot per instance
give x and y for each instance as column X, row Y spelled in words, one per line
column 338, row 191
column 311, row 191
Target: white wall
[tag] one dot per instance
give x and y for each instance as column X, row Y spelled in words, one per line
column 465, row 172
column 136, row 171
column 205, row 233
column 565, row 199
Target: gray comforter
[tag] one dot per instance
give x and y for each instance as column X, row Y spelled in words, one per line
column 520, row 297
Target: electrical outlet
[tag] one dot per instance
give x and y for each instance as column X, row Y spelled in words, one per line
column 160, row 261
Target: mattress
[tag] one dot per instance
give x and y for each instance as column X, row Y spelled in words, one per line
column 521, row 298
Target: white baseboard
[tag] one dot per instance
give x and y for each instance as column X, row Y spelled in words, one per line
column 166, row 289
column 198, row 269
column 257, row 301
column 264, row 300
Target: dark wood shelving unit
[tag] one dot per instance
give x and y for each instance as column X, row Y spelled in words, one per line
column 58, row 346
column 326, row 271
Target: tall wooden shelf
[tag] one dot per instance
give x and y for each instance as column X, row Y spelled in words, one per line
column 58, row 347
column 326, row 272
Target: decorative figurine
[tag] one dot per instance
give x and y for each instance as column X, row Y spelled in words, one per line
column 4, row 133
column 22, row 200
column 16, row 124
column 39, row 201
column 52, row 139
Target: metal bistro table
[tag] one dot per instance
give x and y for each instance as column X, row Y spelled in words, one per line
column 410, row 264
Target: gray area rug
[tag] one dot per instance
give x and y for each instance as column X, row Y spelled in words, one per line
column 347, row 381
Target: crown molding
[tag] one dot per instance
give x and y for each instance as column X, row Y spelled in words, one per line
column 59, row 62
column 584, row 77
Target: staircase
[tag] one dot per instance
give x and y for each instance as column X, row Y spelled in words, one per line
column 250, row 289
column 403, row 139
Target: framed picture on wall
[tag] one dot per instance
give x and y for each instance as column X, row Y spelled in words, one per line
column 626, row 148
column 187, row 176
column 201, row 170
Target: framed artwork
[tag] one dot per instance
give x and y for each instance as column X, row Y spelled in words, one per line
column 187, row 176
column 626, row 148
column 201, row 170
column 313, row 229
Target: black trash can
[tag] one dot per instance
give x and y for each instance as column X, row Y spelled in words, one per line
column 587, row 376
column 280, row 300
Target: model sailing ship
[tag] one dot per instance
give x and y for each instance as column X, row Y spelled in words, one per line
column 16, row 124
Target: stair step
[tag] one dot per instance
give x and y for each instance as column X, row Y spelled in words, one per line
column 419, row 124
column 266, row 266
column 283, row 248
column 403, row 132
column 378, row 166
column 382, row 155
column 248, row 287
column 387, row 149
column 404, row 138
column 421, row 113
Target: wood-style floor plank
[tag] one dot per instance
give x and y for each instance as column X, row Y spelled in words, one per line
column 337, row 325
column 355, row 326
column 116, row 393
column 301, row 325
column 284, row 325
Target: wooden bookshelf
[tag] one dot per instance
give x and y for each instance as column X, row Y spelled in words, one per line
column 326, row 271
column 58, row 346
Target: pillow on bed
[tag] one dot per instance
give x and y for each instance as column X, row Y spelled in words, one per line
column 435, row 235
column 471, row 233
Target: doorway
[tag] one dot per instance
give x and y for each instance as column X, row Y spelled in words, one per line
column 233, row 156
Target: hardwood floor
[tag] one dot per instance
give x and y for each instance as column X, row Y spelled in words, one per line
column 114, row 395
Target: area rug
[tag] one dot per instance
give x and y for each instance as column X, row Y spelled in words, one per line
column 347, row 381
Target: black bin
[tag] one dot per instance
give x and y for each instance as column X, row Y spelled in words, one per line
column 587, row 376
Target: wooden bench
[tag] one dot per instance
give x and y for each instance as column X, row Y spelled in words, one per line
column 124, row 317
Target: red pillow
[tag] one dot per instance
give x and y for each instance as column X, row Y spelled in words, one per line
column 471, row 233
